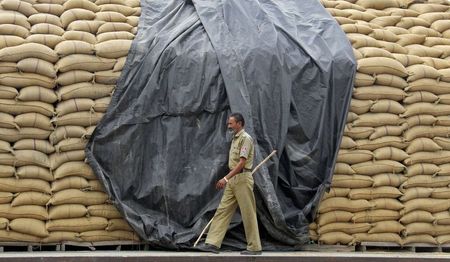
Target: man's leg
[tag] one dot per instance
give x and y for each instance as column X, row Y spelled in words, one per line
column 246, row 200
column 222, row 217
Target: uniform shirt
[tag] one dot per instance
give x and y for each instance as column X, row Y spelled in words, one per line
column 241, row 146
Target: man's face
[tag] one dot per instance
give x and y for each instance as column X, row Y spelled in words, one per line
column 232, row 124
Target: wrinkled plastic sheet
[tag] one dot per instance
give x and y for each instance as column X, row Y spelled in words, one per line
column 163, row 143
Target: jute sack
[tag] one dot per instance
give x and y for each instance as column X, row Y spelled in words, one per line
column 71, row 144
column 83, row 4
column 29, row 226
column 121, row 224
column 89, row 26
column 426, row 181
column 380, row 237
column 380, row 5
column 358, row 132
column 378, row 167
column 96, row 185
column 444, row 170
column 442, row 218
column 403, row 12
column 421, row 50
column 386, row 108
column 379, row 92
column 372, row 65
column 425, row 131
column 11, row 236
column 7, row 92
column 80, row 36
column 60, row 236
column 386, row 227
column 106, row 77
column 374, row 52
column 37, row 93
column 415, row 192
column 124, row 10
column 74, row 182
column 34, row 172
column 347, row 28
column 10, row 41
column 427, row 204
column 351, row 181
column 377, row 119
column 14, row 30
column 426, row 228
column 121, row 63
column 31, row 157
column 27, row 50
column 436, row 41
column 421, row 30
column 372, row 216
column 7, row 171
column 134, row 21
column 387, row 203
column 7, row 121
column 5, row 147
column 334, row 238
column 445, row 74
column 101, row 105
column 130, row 3
column 438, row 157
column 417, row 216
column 393, row 47
column 420, row 96
column 347, row 143
column 108, row 16
column 75, row 196
column 28, row 211
column 20, row 80
column 392, row 180
column 343, row 204
column 73, row 77
column 101, row 235
column 443, row 239
column 390, row 80
column 105, row 210
column 408, row 60
column 389, row 153
column 6, row 197
column 385, row 21
column 365, row 144
column 30, row 198
column 89, row 63
column 360, row 106
column 3, row 223
column 408, row 22
column 84, row 118
column 421, row 120
column 54, row 9
column 76, row 14
column 443, row 142
column 426, row 108
column 67, row 211
column 7, row 159
column 443, row 120
column 350, row 116
column 354, row 156
column 422, row 144
column 64, row 132
column 77, row 224
column 23, row 185
column 348, row 228
column 84, row 90
column 334, row 216
column 430, row 85
column 46, row 28
column 19, row 6
column 74, row 105
column 33, row 120
column 336, row 192
column 422, row 71
column 373, row 193
column 431, row 17
column 8, row 67
column 387, row 131
column 114, row 27
column 385, row 35
column 11, row 17
column 57, row 159
column 113, row 48
column 114, row 36
column 43, row 18
column 45, row 39
column 410, row 39
column 69, row 47
column 441, row 193
column 440, row 25
column 360, row 79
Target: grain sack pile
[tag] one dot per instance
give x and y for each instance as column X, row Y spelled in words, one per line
column 60, row 61
column 392, row 172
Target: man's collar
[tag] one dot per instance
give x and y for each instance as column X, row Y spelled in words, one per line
column 238, row 134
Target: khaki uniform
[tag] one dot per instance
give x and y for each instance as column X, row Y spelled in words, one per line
column 238, row 192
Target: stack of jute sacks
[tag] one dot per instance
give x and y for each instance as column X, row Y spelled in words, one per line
column 59, row 63
column 392, row 176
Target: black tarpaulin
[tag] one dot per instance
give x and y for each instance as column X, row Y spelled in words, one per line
column 162, row 145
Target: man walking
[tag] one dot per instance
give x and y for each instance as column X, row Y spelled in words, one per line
column 238, row 184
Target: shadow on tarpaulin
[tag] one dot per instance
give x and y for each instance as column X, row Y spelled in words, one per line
column 163, row 143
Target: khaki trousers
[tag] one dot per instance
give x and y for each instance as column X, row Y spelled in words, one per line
column 238, row 191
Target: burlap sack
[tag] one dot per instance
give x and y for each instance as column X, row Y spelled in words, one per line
column 344, row 204
column 74, row 77
column 80, row 36
column 57, row 159
column 70, row 182
column 420, row 96
column 29, row 226
column 34, row 172
column 373, row 193
column 37, row 93
column 121, row 224
column 75, row 196
column 64, row 132
column 387, row 203
column 54, row 9
column 422, row 144
column 30, row 198
column 394, row 141
column 372, row 216
column 83, row 4
column 69, row 47
column 77, row 224
column 67, row 211
column 27, row 50
column 27, row 211
column 101, row 235
column 71, row 144
column 392, row 180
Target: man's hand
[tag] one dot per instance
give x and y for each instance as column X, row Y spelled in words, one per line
column 221, row 184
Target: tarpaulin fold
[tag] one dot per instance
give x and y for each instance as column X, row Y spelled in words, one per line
column 163, row 143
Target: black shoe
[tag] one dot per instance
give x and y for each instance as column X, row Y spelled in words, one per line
column 251, row 253
column 208, row 248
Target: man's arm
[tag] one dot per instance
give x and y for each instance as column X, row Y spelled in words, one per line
column 238, row 169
